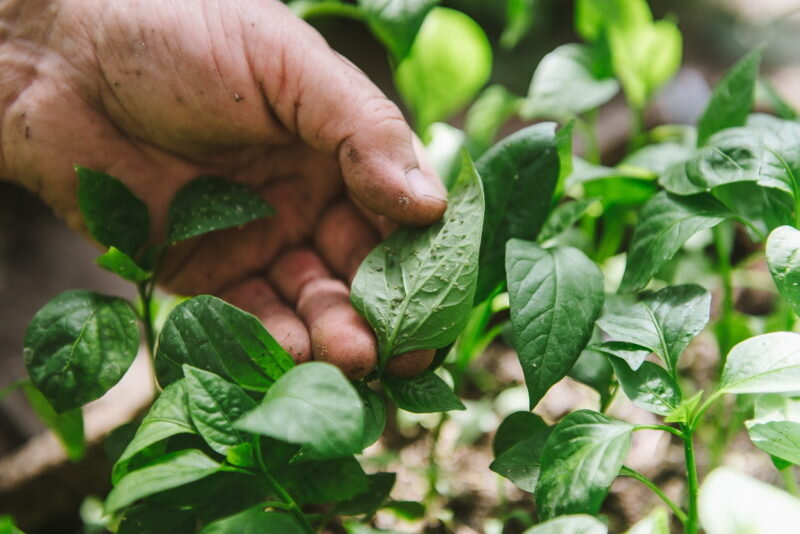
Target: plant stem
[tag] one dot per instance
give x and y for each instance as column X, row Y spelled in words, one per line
column 145, row 295
column 722, row 244
column 637, row 128
column 281, row 493
column 22, row 382
column 789, row 481
column 692, row 522
column 679, row 513
column 605, row 404
column 664, row 428
column 433, row 465
column 331, row 9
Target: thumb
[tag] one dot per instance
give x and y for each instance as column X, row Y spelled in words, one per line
column 333, row 107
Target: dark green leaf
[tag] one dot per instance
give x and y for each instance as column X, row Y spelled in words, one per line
column 631, row 353
column 416, row 288
column 564, row 217
column 380, row 485
column 732, row 98
column 67, row 426
column 313, row 405
column 519, row 176
column 154, row 519
column 593, row 369
column 325, row 481
column 515, row 427
column 486, row 116
column 113, row 215
column 122, row 265
column 374, row 415
column 518, row 446
column 407, row 510
column 212, row 335
column 763, row 208
column 581, row 458
column 168, row 416
column 650, row 387
column 769, row 363
column 666, row 223
column 570, row 524
column 214, row 404
column 396, row 22
column 254, row 521
column 211, row 203
column 170, row 471
column 424, row 393
column 783, row 258
column 79, row 345
column 556, row 295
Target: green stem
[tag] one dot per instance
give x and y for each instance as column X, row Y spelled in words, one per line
column 433, row 465
column 605, row 404
column 282, row 494
column 664, row 428
column 680, row 514
column 722, row 244
column 692, row 522
column 330, row 9
column 637, row 128
column 22, row 382
column 789, row 481
column 145, row 295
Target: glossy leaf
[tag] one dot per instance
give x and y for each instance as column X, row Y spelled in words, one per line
column 783, row 258
column 254, row 521
column 337, row 480
column 416, row 288
column 396, row 22
column 732, row 98
column 570, row 524
column 119, row 263
column 374, row 415
column 212, row 335
column 581, row 458
column 564, row 217
column 67, row 426
column 170, row 471
column 519, row 452
column 111, row 212
column 769, row 363
column 569, row 81
column 448, row 63
column 214, row 405
column 776, row 427
column 424, row 393
column 633, row 354
column 666, row 223
column 556, row 295
column 156, row 519
column 79, row 345
column 519, row 174
column 380, row 485
column 650, row 387
column 655, row 523
column 212, row 203
column 313, row 405
column 658, row 157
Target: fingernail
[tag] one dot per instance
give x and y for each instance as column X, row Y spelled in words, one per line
column 422, row 187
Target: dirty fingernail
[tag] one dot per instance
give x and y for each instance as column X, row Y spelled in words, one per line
column 422, row 187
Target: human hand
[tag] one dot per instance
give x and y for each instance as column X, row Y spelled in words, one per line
column 158, row 92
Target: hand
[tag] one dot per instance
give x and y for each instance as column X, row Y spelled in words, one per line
column 158, row 92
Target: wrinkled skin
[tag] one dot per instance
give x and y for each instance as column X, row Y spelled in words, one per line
column 157, row 92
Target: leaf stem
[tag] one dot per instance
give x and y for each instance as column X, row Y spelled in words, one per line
column 664, row 428
column 145, row 296
column 679, row 513
column 281, row 493
column 692, row 523
column 605, row 404
column 789, row 481
column 22, row 382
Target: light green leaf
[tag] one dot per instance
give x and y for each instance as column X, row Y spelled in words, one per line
column 733, row 503
column 581, row 458
column 570, row 524
column 686, row 410
column 650, row 387
column 783, row 258
column 111, row 212
column 658, row 157
column 416, row 288
column 519, row 449
column 593, row 16
column 655, row 523
column 122, row 265
column 776, row 427
column 556, row 295
column 212, row 335
column 424, row 393
column 396, row 22
column 666, row 223
column 7, row 525
column 449, row 62
column 635, row 355
column 67, row 426
column 79, row 345
column 214, row 404
column 254, row 521
column 569, row 81
column 170, row 471
column 564, row 217
column 769, row 363
column 313, row 405
column 732, row 98
column 519, row 20
column 444, row 151
column 486, row 116
column 520, row 175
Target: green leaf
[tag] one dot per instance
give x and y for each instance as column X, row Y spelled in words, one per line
column 519, row 21
column 635, row 355
column 555, row 295
column 763, row 208
column 593, row 369
column 733, row 503
column 783, row 258
column 67, row 426
column 111, row 212
column 155, row 519
column 519, row 174
column 569, row 81
column 444, row 151
column 168, row 416
column 650, row 387
column 732, row 98
column 396, row 22
column 325, row 481
column 519, row 451
column 658, row 157
column 663, row 322
column 214, row 404
column 769, row 363
column 655, row 523
column 380, row 485
column 170, row 471
column 581, row 458
column 593, row 16
column 449, row 62
column 684, row 413
column 424, row 393
column 374, row 415
column 7, row 525
column 776, row 427
column 416, row 288
column 564, row 217
column 314, row 405
column 666, row 223
column 119, row 263
column 79, row 345
column 486, row 116
column 570, row 524
column 254, row 521
column 212, row 335
column 210, row 203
